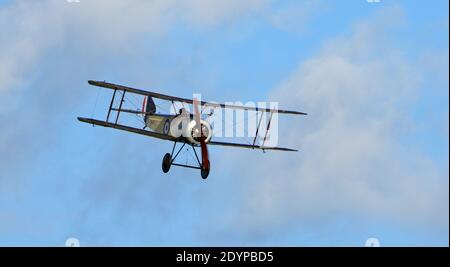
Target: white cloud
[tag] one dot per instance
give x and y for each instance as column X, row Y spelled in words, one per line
column 294, row 16
column 32, row 28
column 210, row 13
column 354, row 90
column 357, row 91
column 84, row 37
column 63, row 44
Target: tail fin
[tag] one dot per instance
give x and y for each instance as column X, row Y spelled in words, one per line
column 148, row 106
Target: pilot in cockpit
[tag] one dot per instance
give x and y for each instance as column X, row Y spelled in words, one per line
column 183, row 112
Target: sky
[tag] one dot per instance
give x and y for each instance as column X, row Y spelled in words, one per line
column 373, row 159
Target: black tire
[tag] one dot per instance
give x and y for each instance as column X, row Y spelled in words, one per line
column 166, row 163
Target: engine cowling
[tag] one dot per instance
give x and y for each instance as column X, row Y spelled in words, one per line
column 186, row 127
column 192, row 133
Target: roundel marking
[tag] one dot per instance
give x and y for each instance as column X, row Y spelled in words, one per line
column 166, row 127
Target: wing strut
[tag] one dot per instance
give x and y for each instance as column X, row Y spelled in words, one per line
column 118, row 110
column 265, row 134
column 257, row 130
column 120, row 106
column 267, row 130
column 111, row 105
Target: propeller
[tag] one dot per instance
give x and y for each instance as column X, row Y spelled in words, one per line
column 198, row 125
column 144, row 105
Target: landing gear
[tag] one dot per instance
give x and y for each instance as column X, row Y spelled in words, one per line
column 166, row 163
column 169, row 160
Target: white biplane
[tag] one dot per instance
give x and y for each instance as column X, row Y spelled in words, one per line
column 184, row 128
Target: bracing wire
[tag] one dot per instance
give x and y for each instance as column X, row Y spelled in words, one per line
column 95, row 104
column 242, row 121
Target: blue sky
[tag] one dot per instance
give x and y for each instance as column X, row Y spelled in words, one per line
column 374, row 149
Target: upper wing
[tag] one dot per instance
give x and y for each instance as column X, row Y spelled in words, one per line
column 251, row 146
column 189, row 101
column 128, row 129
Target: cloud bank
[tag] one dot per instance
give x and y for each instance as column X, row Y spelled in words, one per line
column 359, row 92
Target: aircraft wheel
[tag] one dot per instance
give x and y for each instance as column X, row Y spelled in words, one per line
column 204, row 173
column 166, row 163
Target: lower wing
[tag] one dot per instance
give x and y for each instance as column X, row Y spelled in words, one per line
column 251, row 146
column 128, row 129
column 171, row 138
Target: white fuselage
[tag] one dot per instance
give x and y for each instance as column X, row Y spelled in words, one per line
column 182, row 125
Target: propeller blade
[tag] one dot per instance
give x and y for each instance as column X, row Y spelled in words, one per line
column 204, row 147
column 197, row 116
column 205, row 155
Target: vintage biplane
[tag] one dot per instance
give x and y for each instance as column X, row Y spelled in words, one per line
column 184, row 128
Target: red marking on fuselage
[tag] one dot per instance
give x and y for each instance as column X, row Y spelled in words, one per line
column 144, row 104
